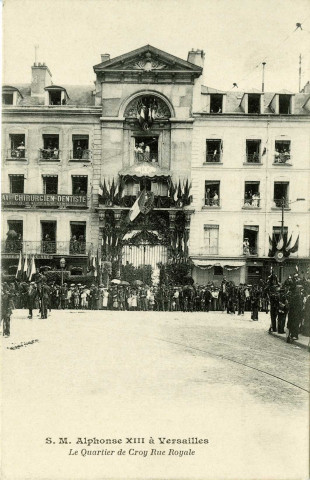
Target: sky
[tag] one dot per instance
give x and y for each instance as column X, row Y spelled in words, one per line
column 236, row 35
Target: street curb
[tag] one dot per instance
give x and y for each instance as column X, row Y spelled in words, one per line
column 295, row 342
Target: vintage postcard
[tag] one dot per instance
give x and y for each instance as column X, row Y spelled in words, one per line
column 155, row 248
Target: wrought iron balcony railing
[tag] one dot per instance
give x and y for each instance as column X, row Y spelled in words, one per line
column 282, row 158
column 49, row 154
column 17, row 153
column 212, row 202
column 213, row 158
column 279, row 202
column 80, row 154
column 254, row 202
column 48, row 247
column 253, row 158
column 146, row 157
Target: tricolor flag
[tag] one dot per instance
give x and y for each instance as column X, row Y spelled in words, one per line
column 280, row 243
column 136, row 208
column 294, row 249
column 32, row 268
column 25, row 274
column 19, row 267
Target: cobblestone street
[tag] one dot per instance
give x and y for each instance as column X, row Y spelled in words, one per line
column 142, row 374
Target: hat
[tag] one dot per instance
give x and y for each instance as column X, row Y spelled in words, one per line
column 32, row 283
column 79, row 284
column 72, row 285
column 92, row 285
column 101, row 285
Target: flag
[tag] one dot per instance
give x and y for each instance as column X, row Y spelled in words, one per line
column 280, row 243
column 19, row 267
column 25, row 274
column 32, row 268
column 94, row 266
column 136, row 208
column 265, row 149
column 175, row 196
column 100, row 190
column 294, row 249
column 297, row 269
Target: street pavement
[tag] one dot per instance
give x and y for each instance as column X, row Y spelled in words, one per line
column 147, row 374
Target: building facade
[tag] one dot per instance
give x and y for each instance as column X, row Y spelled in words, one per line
column 218, row 170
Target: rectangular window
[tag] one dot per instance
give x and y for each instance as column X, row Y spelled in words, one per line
column 48, row 232
column 253, row 151
column 213, row 150
column 7, row 98
column 17, row 150
column 146, row 149
column 211, row 239
column 79, row 184
column 50, row 184
column 55, row 97
column 216, row 103
column 284, row 104
column 17, row 183
column 14, row 240
column 50, row 150
column 250, row 239
column 282, row 151
column 80, row 144
column 212, row 193
column 280, row 194
column 253, row 103
column 251, row 194
column 78, row 237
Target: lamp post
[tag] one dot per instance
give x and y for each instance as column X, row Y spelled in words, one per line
column 62, row 266
column 283, row 203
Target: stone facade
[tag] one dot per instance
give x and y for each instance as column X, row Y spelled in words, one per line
column 149, row 107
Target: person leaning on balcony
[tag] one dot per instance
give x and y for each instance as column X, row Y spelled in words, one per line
column 215, row 199
column 208, row 197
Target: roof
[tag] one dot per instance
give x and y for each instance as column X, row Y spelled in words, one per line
column 234, row 97
column 79, row 95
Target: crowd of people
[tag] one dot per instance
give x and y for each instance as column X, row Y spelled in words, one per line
column 288, row 304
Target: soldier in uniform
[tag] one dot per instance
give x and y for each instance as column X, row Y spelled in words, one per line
column 274, row 307
column 31, row 297
column 282, row 310
column 6, row 309
column 241, row 299
column 255, row 301
column 45, row 299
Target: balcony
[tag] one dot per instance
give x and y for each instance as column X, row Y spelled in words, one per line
column 213, row 158
column 146, row 157
column 80, row 155
column 254, row 202
column 282, row 159
column 16, row 154
column 280, row 202
column 128, row 200
column 253, row 158
column 49, row 154
column 212, row 203
column 34, row 200
column 45, row 247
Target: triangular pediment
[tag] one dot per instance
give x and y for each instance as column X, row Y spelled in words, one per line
column 147, row 59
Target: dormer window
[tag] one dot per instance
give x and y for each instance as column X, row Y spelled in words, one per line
column 216, row 103
column 56, row 96
column 254, row 103
column 285, row 104
column 10, row 95
column 7, row 98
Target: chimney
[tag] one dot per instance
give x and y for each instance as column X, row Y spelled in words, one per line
column 41, row 77
column 196, row 57
column 105, row 57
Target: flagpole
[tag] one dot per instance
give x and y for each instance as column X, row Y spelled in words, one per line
column 282, row 232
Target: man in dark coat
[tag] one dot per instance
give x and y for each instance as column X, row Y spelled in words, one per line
column 6, row 309
column 294, row 311
column 255, row 301
column 274, row 306
column 31, row 298
column 45, row 299
column 282, row 310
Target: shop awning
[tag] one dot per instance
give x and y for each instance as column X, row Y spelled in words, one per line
column 145, row 169
column 206, row 264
